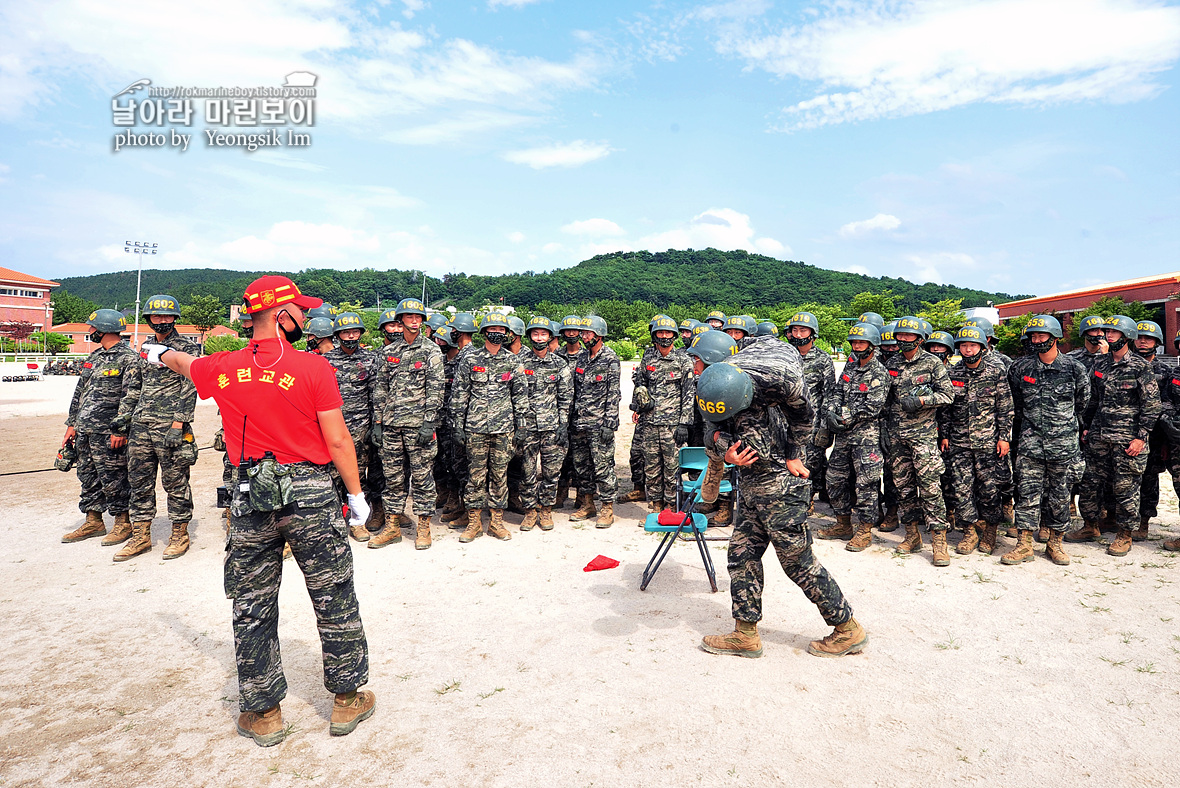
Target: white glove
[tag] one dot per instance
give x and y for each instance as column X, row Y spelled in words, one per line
column 358, row 509
column 151, row 352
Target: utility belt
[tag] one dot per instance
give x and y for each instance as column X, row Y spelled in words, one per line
column 266, row 485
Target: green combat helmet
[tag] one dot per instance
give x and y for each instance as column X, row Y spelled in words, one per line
column 766, row 329
column 716, row 314
column 596, row 324
column 161, row 305
column 1047, row 324
column 323, row 310
column 1092, row 323
column 806, row 320
column 1152, row 329
column 463, row 323
column 1125, row 326
column 347, row 320
column 712, row 346
column 985, row 325
column 436, row 321
column 872, row 318
column 544, row 324
column 107, row 321
column 516, row 325
column 740, row 323
column 723, row 391
column 866, row 332
column 940, row 344
column 317, row 328
column 410, row 306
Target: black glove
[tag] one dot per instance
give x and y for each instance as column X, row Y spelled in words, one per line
column 606, row 435
column 911, row 404
column 120, row 424
column 680, row 435
column 425, row 434
column 519, row 440
column 833, row 423
column 173, row 437
column 563, row 434
column 376, row 435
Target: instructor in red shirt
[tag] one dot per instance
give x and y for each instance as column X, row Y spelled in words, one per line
column 281, row 413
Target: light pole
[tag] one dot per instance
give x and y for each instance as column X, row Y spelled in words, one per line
column 140, row 248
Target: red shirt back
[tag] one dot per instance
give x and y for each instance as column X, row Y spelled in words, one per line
column 278, row 391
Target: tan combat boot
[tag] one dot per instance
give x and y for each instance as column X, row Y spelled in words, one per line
column 422, row 534
column 841, row 530
column 515, row 505
column 655, row 506
column 454, row 508
column 264, row 727
column 711, row 483
column 1087, row 533
column 1022, row 552
column 938, row 545
column 987, row 542
column 952, row 518
column 496, row 526
column 724, row 514
column 1042, row 534
column 1009, row 513
column 636, row 495
column 890, row 522
column 530, row 520
column 360, row 532
column 1054, row 550
column 349, row 710
column 460, row 522
column 606, row 515
column 862, row 539
column 1140, row 533
column 474, row 526
column 585, row 508
column 742, row 642
column 546, row 519
column 88, row 530
column 563, row 496
column 440, row 498
column 1171, row 544
column 390, row 534
column 376, row 517
column 178, row 542
column 1121, row 544
column 969, row 542
column 140, row 541
column 404, row 520
column 913, row 539
column 847, row 638
column 120, row 532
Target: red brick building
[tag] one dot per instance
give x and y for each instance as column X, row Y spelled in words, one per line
column 25, row 297
column 1161, row 291
column 79, row 334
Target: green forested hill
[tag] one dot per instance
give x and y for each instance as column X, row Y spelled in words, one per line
column 705, row 276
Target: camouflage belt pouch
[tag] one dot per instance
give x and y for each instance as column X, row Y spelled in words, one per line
column 270, row 486
column 219, row 440
column 643, row 400
column 186, row 453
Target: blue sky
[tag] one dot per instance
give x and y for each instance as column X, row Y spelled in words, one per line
column 1013, row 145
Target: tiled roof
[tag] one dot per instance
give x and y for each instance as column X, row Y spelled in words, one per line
column 8, row 275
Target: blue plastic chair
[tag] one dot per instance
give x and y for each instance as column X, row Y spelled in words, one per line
column 693, row 460
column 690, row 522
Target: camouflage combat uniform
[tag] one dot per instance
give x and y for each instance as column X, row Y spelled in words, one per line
column 820, row 374
column 104, row 399
column 489, row 402
column 1161, row 457
column 551, row 390
column 979, row 417
column 165, row 397
column 1048, row 401
column 356, row 377
column 595, row 419
column 774, row 503
column 408, row 392
column 672, row 386
column 446, row 471
column 635, row 461
column 1124, row 405
column 856, row 402
column 915, row 458
column 568, row 471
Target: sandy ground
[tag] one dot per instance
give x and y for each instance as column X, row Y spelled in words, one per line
column 504, row 664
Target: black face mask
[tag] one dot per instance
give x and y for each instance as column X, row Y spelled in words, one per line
column 350, row 344
column 940, row 353
column 248, row 331
column 1042, row 347
column 797, row 342
column 863, row 355
column 906, row 345
column 888, row 353
column 96, row 337
column 971, row 360
column 1117, row 345
column 663, row 341
column 1094, row 340
column 292, row 335
column 571, row 340
column 164, row 329
column 544, row 343
column 495, row 337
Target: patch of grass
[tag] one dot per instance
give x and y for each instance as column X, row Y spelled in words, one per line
column 522, row 668
column 405, row 676
column 486, row 695
column 1094, row 608
column 980, row 577
column 1127, row 637
column 1161, row 565
column 141, row 590
column 450, row 686
column 951, row 643
column 1114, row 663
column 1146, row 667
column 490, row 583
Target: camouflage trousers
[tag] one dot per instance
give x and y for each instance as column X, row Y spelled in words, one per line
column 541, row 466
column 855, row 468
column 314, row 527
column 889, row 495
column 487, row 482
column 227, row 472
column 661, row 462
column 407, row 471
column 102, row 472
column 1042, row 493
column 145, row 453
column 594, row 464
column 816, row 460
column 635, row 458
column 917, row 467
column 1108, row 463
column 374, row 481
column 977, row 477
column 1163, row 457
column 774, row 512
column 444, row 472
column 460, row 467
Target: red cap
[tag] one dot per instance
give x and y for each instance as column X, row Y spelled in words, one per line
column 270, row 291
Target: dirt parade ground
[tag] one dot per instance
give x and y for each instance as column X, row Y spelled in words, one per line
column 504, row 664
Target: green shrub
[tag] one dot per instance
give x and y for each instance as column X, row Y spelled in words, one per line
column 625, row 349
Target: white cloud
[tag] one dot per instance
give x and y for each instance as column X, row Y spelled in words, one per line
column 879, row 223
column 516, row 236
column 552, row 248
column 594, row 227
column 412, row 7
column 929, row 267
column 720, row 228
column 511, row 3
column 566, row 154
column 877, row 59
